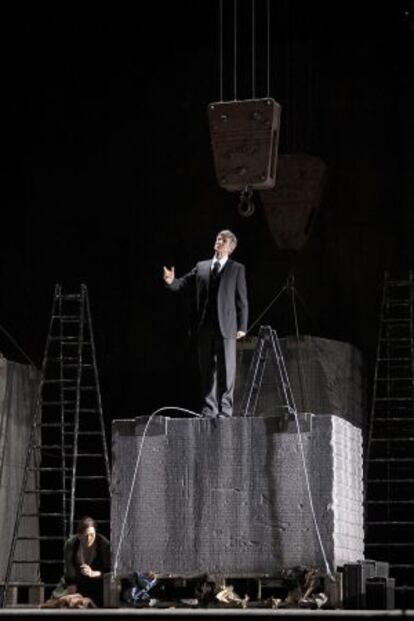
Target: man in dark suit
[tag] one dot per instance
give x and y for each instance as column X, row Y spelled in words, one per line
column 221, row 318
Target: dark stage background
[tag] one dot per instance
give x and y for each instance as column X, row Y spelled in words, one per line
column 107, row 173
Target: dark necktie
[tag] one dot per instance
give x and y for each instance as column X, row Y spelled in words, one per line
column 216, row 269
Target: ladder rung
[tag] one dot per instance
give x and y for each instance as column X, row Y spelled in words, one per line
column 45, row 491
column 42, row 538
column 395, row 379
column 388, row 544
column 401, row 565
column 81, row 388
column 47, row 447
column 47, row 469
column 389, row 523
column 390, row 502
column 84, row 433
column 89, row 410
column 41, row 514
column 395, row 359
column 393, row 339
column 48, row 561
column 62, row 359
column 65, row 317
column 68, row 296
column 66, row 339
column 54, row 425
column 390, row 480
column 395, row 419
column 393, row 399
column 400, row 440
column 398, row 283
column 59, row 381
column 56, row 403
column 90, row 477
column 70, row 341
column 392, row 459
column 92, row 499
column 87, row 455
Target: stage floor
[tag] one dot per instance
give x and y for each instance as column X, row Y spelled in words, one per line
column 188, row 613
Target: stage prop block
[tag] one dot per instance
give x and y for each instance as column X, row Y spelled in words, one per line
column 228, row 497
column 18, row 388
column 327, row 377
column 245, row 138
column 291, row 206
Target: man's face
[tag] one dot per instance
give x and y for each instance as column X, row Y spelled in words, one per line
column 222, row 246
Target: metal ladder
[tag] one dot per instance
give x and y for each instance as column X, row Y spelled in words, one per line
column 389, row 479
column 267, row 348
column 67, row 464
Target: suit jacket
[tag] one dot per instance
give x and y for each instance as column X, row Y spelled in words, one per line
column 232, row 305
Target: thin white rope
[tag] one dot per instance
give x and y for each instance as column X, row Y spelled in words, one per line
column 290, row 399
column 137, row 462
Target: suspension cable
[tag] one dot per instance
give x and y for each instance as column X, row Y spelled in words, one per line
column 253, row 50
column 15, row 343
column 221, row 48
column 266, row 309
column 235, row 49
column 268, row 48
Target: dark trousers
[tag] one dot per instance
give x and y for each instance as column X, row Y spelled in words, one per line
column 217, row 359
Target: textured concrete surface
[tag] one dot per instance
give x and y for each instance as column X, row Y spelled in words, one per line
column 326, row 377
column 230, row 496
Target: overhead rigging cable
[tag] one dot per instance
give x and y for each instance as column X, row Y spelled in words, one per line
column 253, row 50
column 221, row 48
column 250, row 328
column 235, row 48
column 268, row 47
column 15, row 343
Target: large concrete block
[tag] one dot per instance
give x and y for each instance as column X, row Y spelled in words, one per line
column 230, row 496
column 326, row 377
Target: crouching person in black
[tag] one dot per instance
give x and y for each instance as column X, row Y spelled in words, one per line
column 86, row 558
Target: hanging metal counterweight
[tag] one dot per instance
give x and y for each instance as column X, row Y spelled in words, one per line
column 245, row 140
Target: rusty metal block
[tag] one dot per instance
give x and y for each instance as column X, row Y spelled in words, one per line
column 245, row 139
column 290, row 207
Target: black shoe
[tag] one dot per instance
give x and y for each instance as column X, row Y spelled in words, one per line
column 210, row 415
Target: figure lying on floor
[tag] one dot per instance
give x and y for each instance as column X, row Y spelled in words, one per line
column 75, row 600
column 304, row 589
